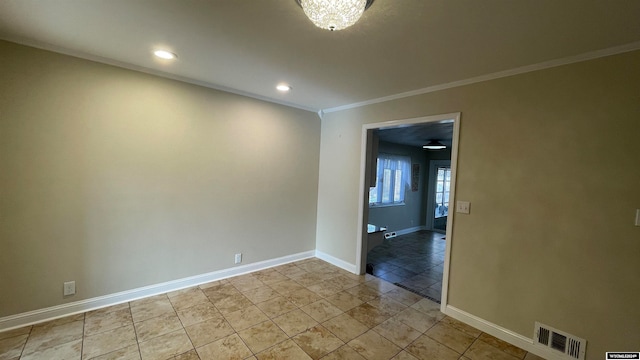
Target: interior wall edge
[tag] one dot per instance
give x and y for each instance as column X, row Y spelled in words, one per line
column 336, row 262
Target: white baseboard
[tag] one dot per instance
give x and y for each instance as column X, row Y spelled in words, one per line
column 409, row 230
column 55, row 312
column 501, row 333
column 335, row 261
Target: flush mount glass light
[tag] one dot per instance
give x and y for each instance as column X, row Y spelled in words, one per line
column 283, row 87
column 163, row 54
column 334, row 14
column 434, row 145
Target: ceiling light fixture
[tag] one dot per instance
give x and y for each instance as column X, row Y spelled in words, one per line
column 434, row 145
column 283, row 87
column 334, row 14
column 164, row 54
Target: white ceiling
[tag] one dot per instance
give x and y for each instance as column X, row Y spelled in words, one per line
column 398, row 46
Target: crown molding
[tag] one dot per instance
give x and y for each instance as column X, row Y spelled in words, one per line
column 146, row 70
column 496, row 75
column 591, row 55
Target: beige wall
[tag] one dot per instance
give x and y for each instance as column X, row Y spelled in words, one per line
column 118, row 179
column 549, row 162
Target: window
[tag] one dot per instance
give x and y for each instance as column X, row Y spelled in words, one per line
column 443, row 185
column 392, row 176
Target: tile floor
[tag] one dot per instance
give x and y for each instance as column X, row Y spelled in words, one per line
column 303, row 310
column 414, row 261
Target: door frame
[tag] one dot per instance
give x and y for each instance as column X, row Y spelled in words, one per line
column 363, row 200
column 431, row 193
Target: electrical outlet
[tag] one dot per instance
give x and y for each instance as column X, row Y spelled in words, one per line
column 238, row 258
column 69, row 288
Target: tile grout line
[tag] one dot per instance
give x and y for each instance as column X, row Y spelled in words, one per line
column 24, row 346
column 84, row 325
column 268, row 318
column 135, row 330
column 181, row 324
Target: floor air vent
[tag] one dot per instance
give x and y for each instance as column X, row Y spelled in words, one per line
column 559, row 342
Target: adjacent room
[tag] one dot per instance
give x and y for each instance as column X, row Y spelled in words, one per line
column 196, row 179
column 408, row 205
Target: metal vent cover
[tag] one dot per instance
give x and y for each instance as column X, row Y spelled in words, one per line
column 559, row 342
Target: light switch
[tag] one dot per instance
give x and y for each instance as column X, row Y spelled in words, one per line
column 462, row 207
column 637, row 217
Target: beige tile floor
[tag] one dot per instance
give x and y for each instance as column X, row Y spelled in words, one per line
column 304, row 310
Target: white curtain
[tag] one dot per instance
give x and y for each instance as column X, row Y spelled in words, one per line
column 392, row 177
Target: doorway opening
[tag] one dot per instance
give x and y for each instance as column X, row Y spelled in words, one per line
column 404, row 238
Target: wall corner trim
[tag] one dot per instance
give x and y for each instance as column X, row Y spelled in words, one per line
column 41, row 315
column 335, row 261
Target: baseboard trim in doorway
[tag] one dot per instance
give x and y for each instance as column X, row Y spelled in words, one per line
column 409, row 230
column 336, row 262
column 77, row 307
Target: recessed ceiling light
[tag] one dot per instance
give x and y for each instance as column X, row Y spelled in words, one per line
column 164, row 54
column 283, row 87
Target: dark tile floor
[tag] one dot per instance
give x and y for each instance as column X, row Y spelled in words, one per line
column 414, row 261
